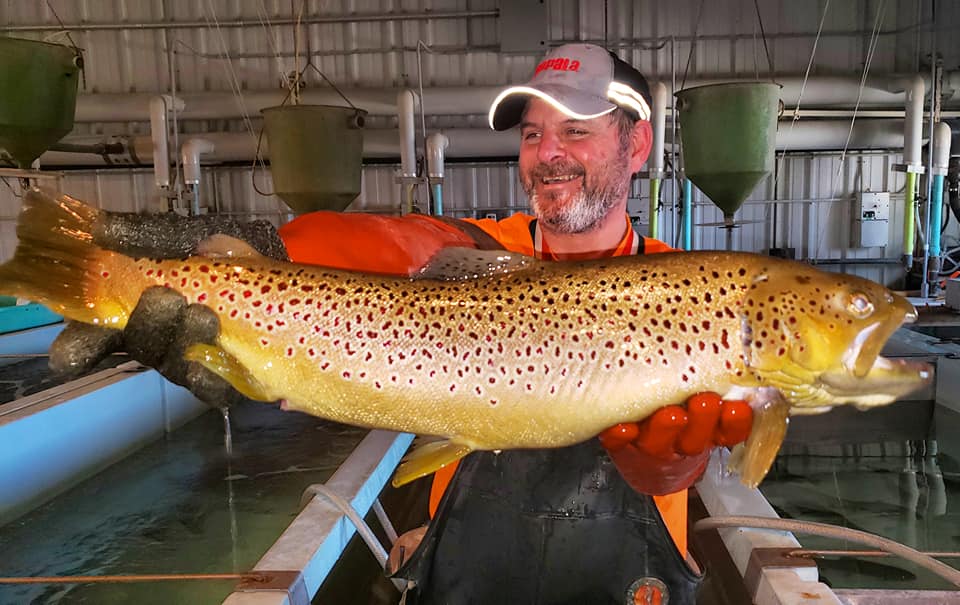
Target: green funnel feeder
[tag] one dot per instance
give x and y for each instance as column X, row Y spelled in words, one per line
column 728, row 133
column 315, row 155
column 38, row 96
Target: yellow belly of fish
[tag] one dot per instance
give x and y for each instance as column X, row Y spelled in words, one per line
column 532, row 405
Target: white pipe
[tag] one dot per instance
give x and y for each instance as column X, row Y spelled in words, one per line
column 832, row 91
column 407, row 127
column 941, row 148
column 913, row 125
column 436, row 144
column 190, row 154
column 159, row 106
column 480, row 142
column 659, row 123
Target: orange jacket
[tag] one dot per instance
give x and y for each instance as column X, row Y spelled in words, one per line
column 401, row 245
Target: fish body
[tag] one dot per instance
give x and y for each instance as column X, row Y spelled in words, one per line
column 492, row 350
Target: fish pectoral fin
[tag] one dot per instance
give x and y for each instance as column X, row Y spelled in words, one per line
column 219, row 245
column 753, row 458
column 227, row 366
column 462, row 264
column 428, row 458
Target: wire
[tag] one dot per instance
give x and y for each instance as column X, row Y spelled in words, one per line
column 693, row 45
column 803, row 87
column 871, row 48
column 764, row 36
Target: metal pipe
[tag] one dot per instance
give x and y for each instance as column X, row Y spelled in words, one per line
column 405, row 117
column 436, row 144
column 941, row 161
column 464, row 143
column 687, row 230
column 852, row 261
column 825, row 91
column 192, row 149
column 909, row 226
column 231, row 23
column 102, row 148
column 810, row 553
column 832, row 531
column 656, row 162
column 159, row 106
column 654, row 213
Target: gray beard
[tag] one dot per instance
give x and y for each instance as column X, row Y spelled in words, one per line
column 588, row 206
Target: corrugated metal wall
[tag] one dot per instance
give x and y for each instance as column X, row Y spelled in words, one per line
column 816, row 190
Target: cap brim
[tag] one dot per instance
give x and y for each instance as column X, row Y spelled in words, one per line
column 506, row 111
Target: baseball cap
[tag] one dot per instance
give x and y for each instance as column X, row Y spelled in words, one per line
column 581, row 80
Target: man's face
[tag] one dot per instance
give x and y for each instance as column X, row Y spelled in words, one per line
column 573, row 171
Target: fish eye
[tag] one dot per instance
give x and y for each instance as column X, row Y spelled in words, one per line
column 859, row 305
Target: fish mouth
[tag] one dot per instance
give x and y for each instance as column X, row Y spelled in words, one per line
column 886, row 381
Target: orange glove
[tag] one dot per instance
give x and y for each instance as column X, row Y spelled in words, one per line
column 668, row 451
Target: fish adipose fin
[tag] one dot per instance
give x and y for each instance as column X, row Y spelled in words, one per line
column 427, row 459
column 753, row 458
column 227, row 366
column 56, row 263
column 461, row 264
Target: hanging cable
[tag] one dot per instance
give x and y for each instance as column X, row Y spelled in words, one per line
column 693, row 45
column 763, row 35
column 803, row 86
column 871, row 48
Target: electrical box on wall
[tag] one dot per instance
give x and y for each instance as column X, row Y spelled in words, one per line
column 871, row 219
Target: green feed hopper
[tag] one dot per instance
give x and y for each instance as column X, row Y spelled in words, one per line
column 315, row 155
column 38, row 96
column 728, row 133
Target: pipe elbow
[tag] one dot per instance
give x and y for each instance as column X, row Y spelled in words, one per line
column 941, row 147
column 436, row 144
column 190, row 154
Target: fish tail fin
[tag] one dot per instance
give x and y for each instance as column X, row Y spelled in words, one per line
column 56, row 263
column 753, row 458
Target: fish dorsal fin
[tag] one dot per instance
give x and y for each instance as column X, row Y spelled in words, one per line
column 461, row 264
column 219, row 245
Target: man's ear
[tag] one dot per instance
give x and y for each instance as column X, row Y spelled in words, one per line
column 641, row 139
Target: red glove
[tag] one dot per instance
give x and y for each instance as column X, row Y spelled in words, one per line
column 668, row 451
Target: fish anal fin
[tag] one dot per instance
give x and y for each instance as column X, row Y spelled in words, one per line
column 427, row 459
column 461, row 264
column 219, row 245
column 753, row 458
column 227, row 366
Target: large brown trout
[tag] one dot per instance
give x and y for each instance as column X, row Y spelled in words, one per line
column 493, row 350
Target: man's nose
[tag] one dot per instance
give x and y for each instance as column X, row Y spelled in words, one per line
column 550, row 148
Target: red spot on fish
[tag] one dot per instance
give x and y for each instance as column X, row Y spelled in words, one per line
column 203, row 269
column 247, row 293
column 202, row 297
column 107, row 274
column 264, row 289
